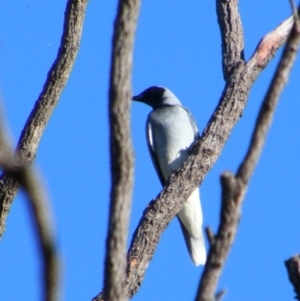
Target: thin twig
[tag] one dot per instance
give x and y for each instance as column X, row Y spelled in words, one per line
column 294, row 8
column 210, row 235
column 234, row 187
column 48, row 99
column 221, row 294
column 121, row 153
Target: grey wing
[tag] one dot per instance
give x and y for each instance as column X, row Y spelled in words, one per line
column 193, row 124
column 151, row 147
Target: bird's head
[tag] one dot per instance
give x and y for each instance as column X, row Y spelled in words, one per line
column 157, row 97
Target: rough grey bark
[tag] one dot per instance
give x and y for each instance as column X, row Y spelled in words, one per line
column 203, row 156
column 56, row 80
column 232, row 35
column 235, row 187
column 121, row 153
column 293, row 269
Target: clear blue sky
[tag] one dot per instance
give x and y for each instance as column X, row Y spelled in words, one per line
column 177, row 46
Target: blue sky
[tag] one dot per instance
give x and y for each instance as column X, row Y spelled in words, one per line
column 178, row 46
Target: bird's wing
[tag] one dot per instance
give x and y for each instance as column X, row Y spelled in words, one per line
column 193, row 124
column 150, row 143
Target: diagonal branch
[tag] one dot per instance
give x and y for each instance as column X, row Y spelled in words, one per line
column 184, row 180
column 121, row 154
column 269, row 104
column 234, row 187
column 204, row 154
column 56, row 80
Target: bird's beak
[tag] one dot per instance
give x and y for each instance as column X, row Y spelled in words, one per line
column 137, row 97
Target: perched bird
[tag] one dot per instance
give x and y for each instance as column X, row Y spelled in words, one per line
column 170, row 131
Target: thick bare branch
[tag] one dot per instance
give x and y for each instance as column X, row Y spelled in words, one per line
column 184, row 180
column 231, row 34
column 121, row 153
column 266, row 113
column 234, row 187
column 293, row 269
column 44, row 106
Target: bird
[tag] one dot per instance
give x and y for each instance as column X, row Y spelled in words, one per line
column 170, row 132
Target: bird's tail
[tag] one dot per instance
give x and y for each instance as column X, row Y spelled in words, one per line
column 195, row 246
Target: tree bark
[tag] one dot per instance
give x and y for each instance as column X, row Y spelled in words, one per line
column 121, row 153
column 56, row 80
column 203, row 155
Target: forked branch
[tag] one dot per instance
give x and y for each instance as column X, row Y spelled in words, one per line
column 203, row 156
column 239, row 79
column 235, row 187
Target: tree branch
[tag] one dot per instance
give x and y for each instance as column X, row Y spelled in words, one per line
column 269, row 104
column 229, row 218
column 203, row 156
column 44, row 106
column 40, row 210
column 269, row 44
column 121, row 153
column 234, row 187
column 293, row 269
column 232, row 35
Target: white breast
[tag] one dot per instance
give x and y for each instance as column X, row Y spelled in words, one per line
column 172, row 134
